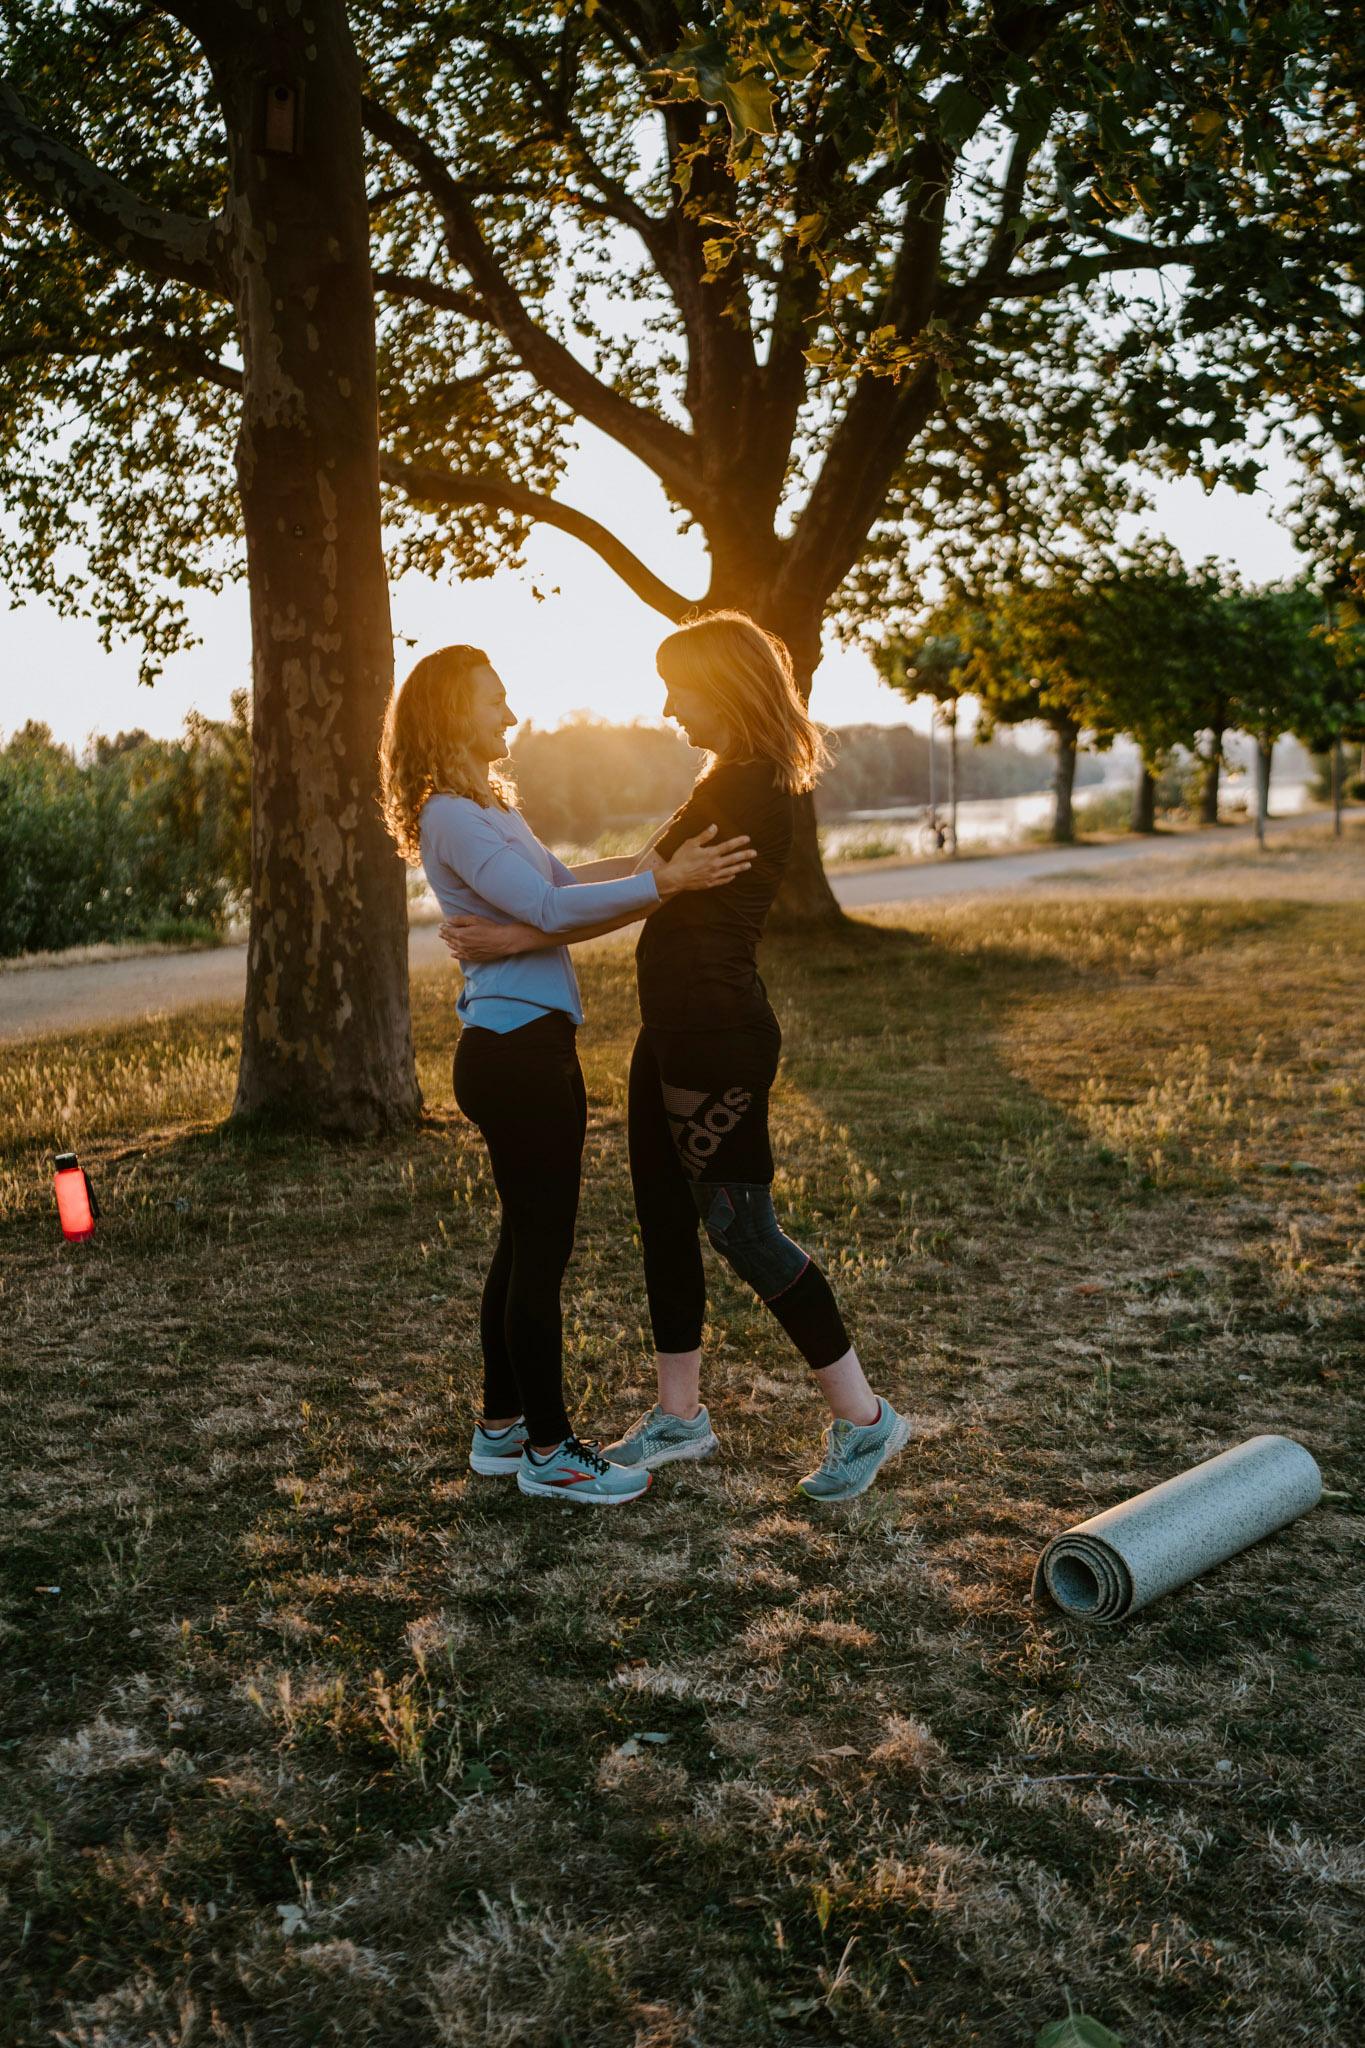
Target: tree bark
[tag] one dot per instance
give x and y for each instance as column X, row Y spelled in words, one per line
column 1213, row 764
column 1063, row 786
column 1144, row 800
column 952, row 778
column 1336, row 786
column 1264, row 749
column 327, row 1038
column 805, row 897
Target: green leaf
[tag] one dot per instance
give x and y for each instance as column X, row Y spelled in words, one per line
column 791, row 54
column 1077, row 2030
column 748, row 103
column 703, row 66
column 824, row 1905
column 959, row 113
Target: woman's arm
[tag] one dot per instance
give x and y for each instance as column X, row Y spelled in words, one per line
column 602, row 870
column 473, row 940
column 470, row 845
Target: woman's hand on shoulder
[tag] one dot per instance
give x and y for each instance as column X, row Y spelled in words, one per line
column 705, row 862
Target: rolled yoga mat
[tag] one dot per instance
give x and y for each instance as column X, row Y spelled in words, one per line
column 1107, row 1568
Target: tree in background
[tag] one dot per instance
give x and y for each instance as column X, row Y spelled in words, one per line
column 1159, row 652
column 141, row 838
column 587, row 774
column 934, row 667
column 828, row 275
column 1293, row 676
column 185, row 193
column 1031, row 651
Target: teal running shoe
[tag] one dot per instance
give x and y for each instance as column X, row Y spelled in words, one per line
column 578, row 1472
column 855, row 1454
column 659, row 1438
column 497, row 1452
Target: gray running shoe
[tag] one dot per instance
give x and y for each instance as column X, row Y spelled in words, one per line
column 855, row 1454
column 497, row 1452
column 659, row 1439
column 578, row 1472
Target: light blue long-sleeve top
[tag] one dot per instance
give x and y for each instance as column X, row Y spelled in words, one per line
column 486, row 862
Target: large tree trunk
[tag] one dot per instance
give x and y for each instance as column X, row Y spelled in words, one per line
column 805, row 897
column 1063, row 786
column 327, row 1038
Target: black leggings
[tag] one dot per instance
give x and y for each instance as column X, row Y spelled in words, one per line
column 700, row 1153
column 524, row 1090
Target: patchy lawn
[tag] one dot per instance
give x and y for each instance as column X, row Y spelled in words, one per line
column 324, row 1739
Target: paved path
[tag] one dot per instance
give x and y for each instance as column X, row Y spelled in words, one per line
column 982, row 874
column 41, row 999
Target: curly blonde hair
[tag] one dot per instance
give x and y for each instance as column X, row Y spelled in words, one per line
column 425, row 748
column 747, row 674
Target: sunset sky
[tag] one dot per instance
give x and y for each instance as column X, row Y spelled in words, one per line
column 589, row 647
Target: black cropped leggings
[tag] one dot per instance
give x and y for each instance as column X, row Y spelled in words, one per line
column 524, row 1089
column 700, row 1153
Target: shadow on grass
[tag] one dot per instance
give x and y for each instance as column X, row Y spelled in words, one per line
column 307, row 1670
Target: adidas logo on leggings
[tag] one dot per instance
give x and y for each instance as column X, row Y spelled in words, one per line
column 698, row 1136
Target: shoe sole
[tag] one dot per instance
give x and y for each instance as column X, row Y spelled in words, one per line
column 493, row 1468
column 895, row 1443
column 675, row 1453
column 534, row 1489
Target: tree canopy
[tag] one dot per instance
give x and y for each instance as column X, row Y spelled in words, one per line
column 791, row 269
column 843, row 280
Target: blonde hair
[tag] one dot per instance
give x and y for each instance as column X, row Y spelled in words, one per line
column 746, row 673
column 425, row 747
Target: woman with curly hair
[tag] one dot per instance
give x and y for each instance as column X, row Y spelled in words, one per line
column 517, row 1074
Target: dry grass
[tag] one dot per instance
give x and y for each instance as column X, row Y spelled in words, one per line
column 325, row 1740
column 1299, row 864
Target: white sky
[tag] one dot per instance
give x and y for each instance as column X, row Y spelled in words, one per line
column 589, row 647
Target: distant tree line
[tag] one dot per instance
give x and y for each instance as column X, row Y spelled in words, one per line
column 136, row 838
column 1145, row 648
column 586, row 775
column 146, row 838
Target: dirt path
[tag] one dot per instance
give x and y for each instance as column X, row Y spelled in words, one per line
column 37, row 1000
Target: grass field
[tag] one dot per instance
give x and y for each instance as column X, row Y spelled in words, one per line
column 325, row 1740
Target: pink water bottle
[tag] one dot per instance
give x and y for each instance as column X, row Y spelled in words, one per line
column 76, row 1204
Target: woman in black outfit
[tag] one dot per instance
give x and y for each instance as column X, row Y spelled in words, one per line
column 707, row 1055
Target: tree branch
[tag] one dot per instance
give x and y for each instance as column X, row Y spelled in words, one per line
column 500, row 493
column 169, row 245
column 395, row 284
column 137, row 341
column 554, row 103
column 867, row 445
column 1081, row 269
column 663, row 448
